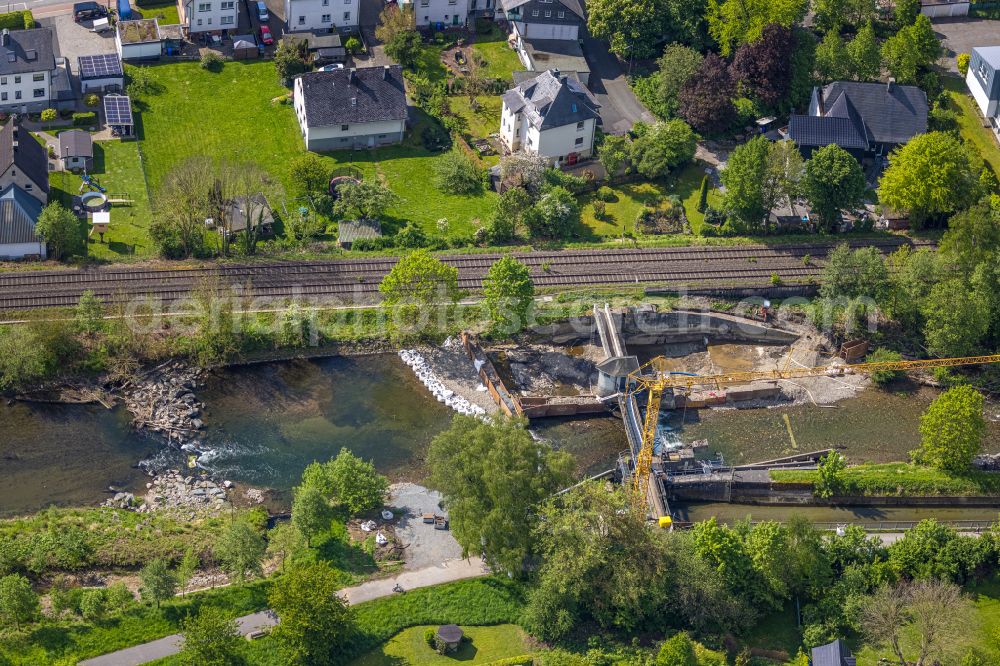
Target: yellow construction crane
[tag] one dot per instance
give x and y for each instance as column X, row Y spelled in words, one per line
column 661, row 379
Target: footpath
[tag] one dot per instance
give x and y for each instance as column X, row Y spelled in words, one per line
column 445, row 572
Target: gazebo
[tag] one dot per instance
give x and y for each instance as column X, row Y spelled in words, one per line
column 450, row 635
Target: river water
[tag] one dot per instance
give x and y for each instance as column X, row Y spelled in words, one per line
column 266, row 422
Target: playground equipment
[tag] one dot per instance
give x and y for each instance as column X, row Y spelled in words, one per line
column 93, row 201
column 337, row 181
column 99, row 223
column 90, row 182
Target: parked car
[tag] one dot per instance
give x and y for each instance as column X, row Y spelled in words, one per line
column 85, row 11
column 262, row 14
column 265, row 35
column 330, row 68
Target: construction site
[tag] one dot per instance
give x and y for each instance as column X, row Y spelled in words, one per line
column 653, row 370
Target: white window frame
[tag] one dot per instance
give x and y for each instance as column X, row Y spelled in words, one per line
column 326, row 18
column 204, row 7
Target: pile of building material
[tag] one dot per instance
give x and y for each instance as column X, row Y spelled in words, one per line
column 422, row 369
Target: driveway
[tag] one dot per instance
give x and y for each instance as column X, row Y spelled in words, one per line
column 960, row 34
column 73, row 40
column 620, row 108
column 446, row 572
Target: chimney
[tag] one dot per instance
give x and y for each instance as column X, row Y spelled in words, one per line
column 354, row 101
column 353, row 76
column 385, row 72
column 5, row 38
column 890, row 84
column 14, row 135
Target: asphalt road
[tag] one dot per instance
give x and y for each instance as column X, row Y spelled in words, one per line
column 620, row 108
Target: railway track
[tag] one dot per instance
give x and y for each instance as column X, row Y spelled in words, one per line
column 356, row 280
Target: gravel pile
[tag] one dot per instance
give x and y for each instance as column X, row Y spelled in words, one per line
column 423, row 545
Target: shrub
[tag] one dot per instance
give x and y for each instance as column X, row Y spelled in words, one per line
column 85, row 119
column 22, row 20
column 439, row 37
column 883, row 377
column 962, row 61
column 353, row 44
column 600, row 209
column 605, row 193
column 48, row 115
column 830, row 478
column 703, row 195
column 456, row 173
column 429, row 637
column 91, row 100
column 211, row 61
column 775, row 279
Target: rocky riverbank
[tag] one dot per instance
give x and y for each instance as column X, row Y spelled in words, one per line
column 162, row 401
column 174, row 491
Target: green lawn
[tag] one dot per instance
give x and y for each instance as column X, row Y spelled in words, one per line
column 485, row 644
column 633, row 197
column 480, row 123
column 500, row 60
column 969, row 122
column 116, row 167
column 165, row 11
column 902, row 479
column 429, row 63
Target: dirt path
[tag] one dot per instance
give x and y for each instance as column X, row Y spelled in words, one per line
column 446, row 572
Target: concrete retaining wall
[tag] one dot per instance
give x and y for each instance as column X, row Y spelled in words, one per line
column 801, row 495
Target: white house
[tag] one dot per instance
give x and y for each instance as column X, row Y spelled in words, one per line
column 351, row 108
column 24, row 189
column 26, row 69
column 211, row 16
column 432, row 13
column 544, row 19
column 342, row 15
column 983, row 80
column 552, row 115
column 944, row 8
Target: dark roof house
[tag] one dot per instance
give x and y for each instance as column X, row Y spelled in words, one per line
column 552, row 99
column 349, row 231
column 862, row 118
column 832, row 654
column 24, row 51
column 19, row 212
column 544, row 11
column 345, row 96
column 21, row 155
column 260, row 210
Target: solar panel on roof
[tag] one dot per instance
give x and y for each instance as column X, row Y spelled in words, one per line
column 105, row 65
column 118, row 110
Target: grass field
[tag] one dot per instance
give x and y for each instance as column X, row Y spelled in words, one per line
column 902, row 479
column 485, row 644
column 480, row 123
column 500, row 60
column 969, row 123
column 117, row 168
column 165, row 11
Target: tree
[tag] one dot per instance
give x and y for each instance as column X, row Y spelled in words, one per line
column 493, row 475
column 613, row 154
column 883, row 616
column 366, row 200
column 315, row 622
column 803, row 64
column 348, row 481
column 89, row 313
column 906, row 12
column 60, row 230
column 157, row 581
column 119, row 597
column 417, row 281
column 187, row 197
column 677, row 64
column 290, row 58
column 556, row 214
column 883, row 378
column 632, row 27
column 832, row 60
column 284, row 541
column 525, row 170
column 854, row 274
column 508, row 214
column 210, row 639
column 912, row 275
column 748, row 199
column 785, row 170
column 957, row 319
column 18, row 602
column 678, row 650
column 662, row 146
column 508, row 294
column 863, row 51
column 732, row 23
column 93, row 604
column 830, row 476
column 973, row 237
column 913, row 49
column 311, row 512
column 598, row 562
column 309, row 175
column 952, row 429
column 833, row 181
column 187, row 569
column 706, row 99
column 252, row 187
column 929, row 177
column 398, row 31
column 763, row 67
column 240, row 549
column 456, row 173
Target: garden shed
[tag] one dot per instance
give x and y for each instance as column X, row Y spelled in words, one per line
column 138, row 40
column 350, row 231
column 245, row 47
column 101, row 73
column 76, row 150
